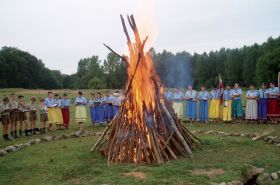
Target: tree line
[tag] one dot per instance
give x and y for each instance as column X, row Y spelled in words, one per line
column 246, row 65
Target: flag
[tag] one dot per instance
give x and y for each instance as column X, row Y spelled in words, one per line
column 221, row 87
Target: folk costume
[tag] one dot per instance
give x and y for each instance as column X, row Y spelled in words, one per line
column 227, row 105
column 49, row 102
column 177, row 103
column 215, row 104
column 100, row 112
column 81, row 112
column 203, row 97
column 191, row 96
column 65, row 106
column 237, row 110
column 92, row 110
column 109, row 111
column 262, row 104
column 273, row 104
column 57, row 112
column 168, row 95
column 251, row 105
column 117, row 104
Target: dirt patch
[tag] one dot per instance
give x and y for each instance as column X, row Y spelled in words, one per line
column 137, row 175
column 74, row 181
column 212, row 173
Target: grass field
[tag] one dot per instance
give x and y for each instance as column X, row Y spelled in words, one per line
column 70, row 161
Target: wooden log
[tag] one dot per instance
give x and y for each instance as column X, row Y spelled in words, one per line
column 186, row 146
column 102, row 136
column 118, row 55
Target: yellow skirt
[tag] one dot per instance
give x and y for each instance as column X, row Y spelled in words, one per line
column 80, row 114
column 51, row 115
column 178, row 109
column 58, row 116
column 227, row 110
column 215, row 109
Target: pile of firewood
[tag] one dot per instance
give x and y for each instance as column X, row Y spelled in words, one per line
column 146, row 129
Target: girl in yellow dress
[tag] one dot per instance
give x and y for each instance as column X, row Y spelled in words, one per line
column 227, row 104
column 215, row 104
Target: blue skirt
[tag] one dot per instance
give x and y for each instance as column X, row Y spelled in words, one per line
column 109, row 112
column 115, row 110
column 203, row 111
column 262, row 108
column 93, row 115
column 191, row 109
column 100, row 114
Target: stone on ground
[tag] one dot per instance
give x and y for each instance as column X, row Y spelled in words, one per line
column 274, row 176
column 249, row 174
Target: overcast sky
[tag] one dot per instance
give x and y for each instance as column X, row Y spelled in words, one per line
column 60, row 32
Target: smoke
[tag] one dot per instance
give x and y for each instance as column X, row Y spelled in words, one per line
column 175, row 70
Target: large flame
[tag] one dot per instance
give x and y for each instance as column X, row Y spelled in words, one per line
column 144, row 89
column 146, row 129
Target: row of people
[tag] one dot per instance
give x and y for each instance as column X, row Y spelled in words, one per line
column 54, row 110
column 226, row 104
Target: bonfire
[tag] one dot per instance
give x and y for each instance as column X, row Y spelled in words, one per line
column 146, row 129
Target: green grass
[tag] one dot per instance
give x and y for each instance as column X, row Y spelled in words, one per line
column 70, row 161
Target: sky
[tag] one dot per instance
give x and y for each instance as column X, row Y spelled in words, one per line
column 61, row 32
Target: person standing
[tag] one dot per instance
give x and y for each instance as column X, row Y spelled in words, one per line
column 167, row 95
column 81, row 112
column 23, row 108
column 203, row 97
column 57, row 112
column 215, row 104
column 237, row 110
column 262, row 103
column 273, row 106
column 49, row 102
column 109, row 100
column 99, row 109
column 191, row 96
column 227, row 104
column 252, row 105
column 65, row 109
column 32, row 115
column 117, row 103
column 43, row 116
column 92, row 108
column 177, row 103
column 5, row 117
column 14, row 114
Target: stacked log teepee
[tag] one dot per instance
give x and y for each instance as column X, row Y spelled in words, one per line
column 146, row 129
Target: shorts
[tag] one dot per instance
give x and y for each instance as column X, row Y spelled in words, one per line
column 14, row 117
column 32, row 116
column 5, row 119
column 22, row 116
column 44, row 117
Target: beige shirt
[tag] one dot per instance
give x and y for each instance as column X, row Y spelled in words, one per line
column 4, row 107
column 14, row 104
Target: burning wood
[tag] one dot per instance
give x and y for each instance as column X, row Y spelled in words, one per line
column 146, row 129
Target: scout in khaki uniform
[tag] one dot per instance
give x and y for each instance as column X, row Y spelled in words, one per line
column 32, row 114
column 23, row 108
column 14, row 114
column 43, row 116
column 5, row 117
